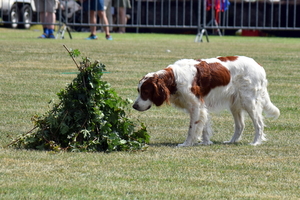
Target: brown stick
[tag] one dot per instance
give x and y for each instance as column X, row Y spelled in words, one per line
column 18, row 139
column 15, row 141
column 72, row 57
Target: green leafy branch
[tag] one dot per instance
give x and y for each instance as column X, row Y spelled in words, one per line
column 89, row 117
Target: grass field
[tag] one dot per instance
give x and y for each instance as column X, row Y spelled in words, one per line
column 34, row 70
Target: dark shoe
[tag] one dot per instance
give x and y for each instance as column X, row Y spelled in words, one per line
column 92, row 37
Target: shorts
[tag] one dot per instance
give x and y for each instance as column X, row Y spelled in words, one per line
column 121, row 3
column 45, row 5
column 95, row 5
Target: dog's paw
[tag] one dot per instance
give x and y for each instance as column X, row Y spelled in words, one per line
column 228, row 142
column 258, row 141
column 255, row 143
column 233, row 140
column 263, row 138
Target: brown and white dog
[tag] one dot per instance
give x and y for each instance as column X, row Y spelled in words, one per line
column 237, row 83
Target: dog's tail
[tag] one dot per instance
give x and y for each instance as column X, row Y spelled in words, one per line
column 268, row 107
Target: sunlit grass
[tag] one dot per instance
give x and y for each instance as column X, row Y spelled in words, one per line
column 33, row 71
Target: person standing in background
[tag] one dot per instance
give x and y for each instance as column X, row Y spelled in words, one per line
column 96, row 7
column 47, row 9
column 121, row 5
column 109, row 13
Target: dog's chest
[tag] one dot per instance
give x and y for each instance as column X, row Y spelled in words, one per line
column 178, row 100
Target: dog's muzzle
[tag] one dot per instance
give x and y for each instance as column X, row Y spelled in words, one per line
column 137, row 107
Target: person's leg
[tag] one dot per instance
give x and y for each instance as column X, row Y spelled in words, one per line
column 102, row 16
column 122, row 18
column 93, row 20
column 107, row 4
column 43, row 16
column 93, row 29
column 47, row 17
column 51, row 18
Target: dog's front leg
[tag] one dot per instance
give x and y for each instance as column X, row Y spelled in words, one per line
column 198, row 118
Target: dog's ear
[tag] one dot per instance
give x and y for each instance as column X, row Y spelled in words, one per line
column 161, row 92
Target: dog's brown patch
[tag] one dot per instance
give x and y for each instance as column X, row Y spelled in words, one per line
column 228, row 58
column 209, row 76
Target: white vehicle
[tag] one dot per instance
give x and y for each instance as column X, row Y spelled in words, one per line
column 17, row 11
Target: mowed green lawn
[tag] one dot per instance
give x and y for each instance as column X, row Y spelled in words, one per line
column 34, row 70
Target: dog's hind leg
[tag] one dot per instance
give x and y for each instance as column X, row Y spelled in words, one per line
column 239, row 124
column 254, row 110
column 206, row 134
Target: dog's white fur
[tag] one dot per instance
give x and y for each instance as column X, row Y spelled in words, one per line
column 246, row 91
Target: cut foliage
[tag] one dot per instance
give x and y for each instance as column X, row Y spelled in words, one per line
column 89, row 117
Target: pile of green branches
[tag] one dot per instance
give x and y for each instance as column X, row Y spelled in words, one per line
column 89, row 117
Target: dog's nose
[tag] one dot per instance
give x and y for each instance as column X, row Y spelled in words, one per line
column 135, row 106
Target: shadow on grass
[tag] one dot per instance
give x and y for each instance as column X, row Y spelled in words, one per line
column 219, row 143
column 230, row 144
column 164, row 144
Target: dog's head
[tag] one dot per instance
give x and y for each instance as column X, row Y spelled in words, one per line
column 154, row 88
